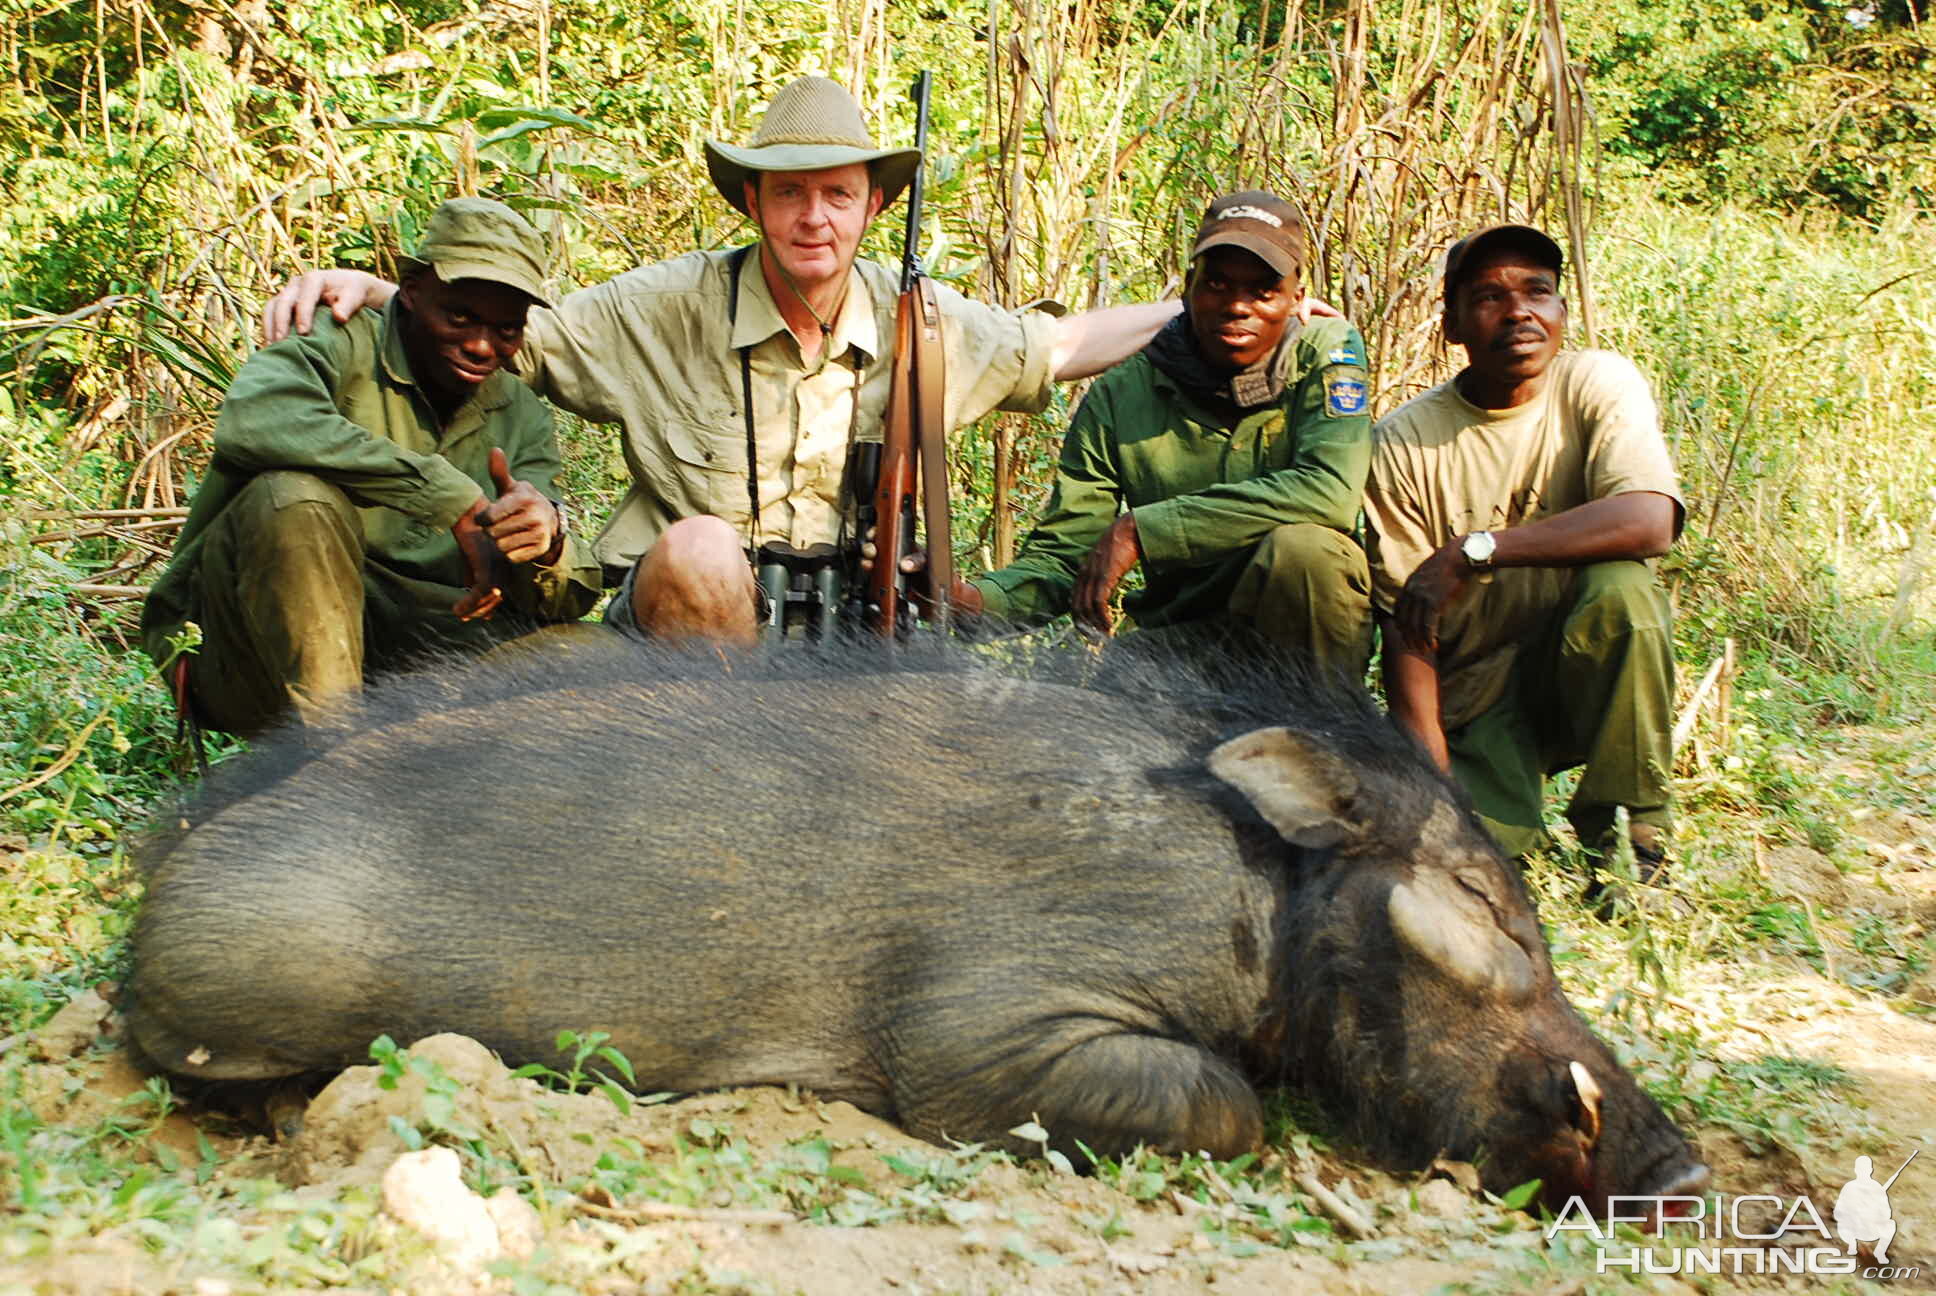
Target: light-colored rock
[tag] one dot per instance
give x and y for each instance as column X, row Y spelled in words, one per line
column 346, row 1132
column 425, row 1191
column 1441, row 1198
column 73, row 1028
column 518, row 1225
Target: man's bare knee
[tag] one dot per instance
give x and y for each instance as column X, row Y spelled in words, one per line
column 694, row 583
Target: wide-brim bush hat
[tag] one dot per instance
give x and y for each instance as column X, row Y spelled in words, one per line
column 476, row 238
column 812, row 124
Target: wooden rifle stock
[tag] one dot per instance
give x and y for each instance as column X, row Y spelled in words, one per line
column 914, row 432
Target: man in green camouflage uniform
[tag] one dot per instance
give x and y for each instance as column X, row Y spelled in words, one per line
column 1228, row 457
column 377, row 490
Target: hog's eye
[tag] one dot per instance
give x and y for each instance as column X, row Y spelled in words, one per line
column 1475, row 887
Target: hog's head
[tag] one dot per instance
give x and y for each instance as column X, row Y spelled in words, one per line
column 1420, row 989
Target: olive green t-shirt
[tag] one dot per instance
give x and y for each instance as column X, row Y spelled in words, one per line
column 1441, row 467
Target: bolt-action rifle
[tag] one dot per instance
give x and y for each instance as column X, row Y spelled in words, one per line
column 914, row 433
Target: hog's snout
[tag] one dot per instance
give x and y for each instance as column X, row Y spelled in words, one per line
column 1682, row 1181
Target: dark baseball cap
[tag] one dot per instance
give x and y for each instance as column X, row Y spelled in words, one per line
column 1517, row 238
column 1260, row 223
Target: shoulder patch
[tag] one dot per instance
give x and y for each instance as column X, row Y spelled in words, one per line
column 1343, row 355
column 1345, row 395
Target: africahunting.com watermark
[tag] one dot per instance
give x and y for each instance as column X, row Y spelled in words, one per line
column 1719, row 1234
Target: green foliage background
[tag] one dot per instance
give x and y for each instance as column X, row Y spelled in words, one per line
column 1749, row 182
column 1745, row 186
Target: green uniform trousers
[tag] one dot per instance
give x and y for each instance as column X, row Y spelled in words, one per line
column 293, row 612
column 1594, row 688
column 1307, row 590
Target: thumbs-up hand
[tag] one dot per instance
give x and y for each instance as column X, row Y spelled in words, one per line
column 486, row 572
column 524, row 524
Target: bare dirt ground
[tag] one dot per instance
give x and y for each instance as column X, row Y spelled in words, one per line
column 764, row 1190
column 1010, row 1228
column 1003, row 1227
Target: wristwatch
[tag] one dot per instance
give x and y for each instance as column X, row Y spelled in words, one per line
column 1477, row 549
column 550, row 557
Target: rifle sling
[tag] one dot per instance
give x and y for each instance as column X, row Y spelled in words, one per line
column 929, row 406
column 735, row 265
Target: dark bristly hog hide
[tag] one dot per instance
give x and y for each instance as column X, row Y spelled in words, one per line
column 1115, row 900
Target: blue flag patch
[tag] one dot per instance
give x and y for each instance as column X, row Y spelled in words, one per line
column 1343, row 355
column 1344, row 396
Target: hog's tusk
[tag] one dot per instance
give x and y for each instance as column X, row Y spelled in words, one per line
column 1589, row 1091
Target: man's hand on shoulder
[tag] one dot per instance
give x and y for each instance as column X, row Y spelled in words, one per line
column 1311, row 308
column 1102, row 571
column 345, row 292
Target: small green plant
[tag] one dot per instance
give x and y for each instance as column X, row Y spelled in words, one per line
column 437, row 1119
column 577, row 1077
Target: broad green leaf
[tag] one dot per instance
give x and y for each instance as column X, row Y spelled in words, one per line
column 1516, row 1198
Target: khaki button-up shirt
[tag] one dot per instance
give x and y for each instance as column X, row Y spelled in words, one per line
column 656, row 351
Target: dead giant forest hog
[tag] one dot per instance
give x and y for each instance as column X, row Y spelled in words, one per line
column 957, row 897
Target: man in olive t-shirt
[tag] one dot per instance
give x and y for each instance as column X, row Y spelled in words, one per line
column 1513, row 512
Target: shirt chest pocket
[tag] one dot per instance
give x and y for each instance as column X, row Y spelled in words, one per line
column 705, row 467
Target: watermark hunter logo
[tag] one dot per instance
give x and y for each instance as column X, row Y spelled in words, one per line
column 1719, row 1234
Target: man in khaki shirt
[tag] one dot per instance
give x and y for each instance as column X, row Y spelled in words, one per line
column 670, row 349
column 1513, row 512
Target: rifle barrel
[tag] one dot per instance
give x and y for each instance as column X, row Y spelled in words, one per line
column 911, row 244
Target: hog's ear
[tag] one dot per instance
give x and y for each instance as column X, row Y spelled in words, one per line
column 1450, row 924
column 1305, row 791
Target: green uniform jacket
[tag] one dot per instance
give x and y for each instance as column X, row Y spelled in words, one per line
column 341, row 403
column 1204, row 494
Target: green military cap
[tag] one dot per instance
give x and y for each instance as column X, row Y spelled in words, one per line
column 476, row 238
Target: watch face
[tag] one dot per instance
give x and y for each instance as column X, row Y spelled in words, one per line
column 1478, row 548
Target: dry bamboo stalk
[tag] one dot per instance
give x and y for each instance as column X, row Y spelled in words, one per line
column 1724, row 699
column 1684, row 725
column 1335, row 1206
column 117, row 532
column 74, row 515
